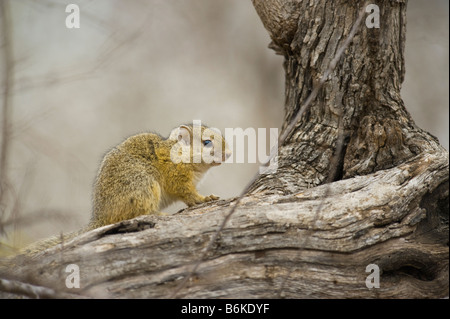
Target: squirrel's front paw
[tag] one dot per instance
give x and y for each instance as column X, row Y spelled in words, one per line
column 211, row 198
column 200, row 200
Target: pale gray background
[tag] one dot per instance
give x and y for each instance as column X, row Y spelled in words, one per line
column 145, row 65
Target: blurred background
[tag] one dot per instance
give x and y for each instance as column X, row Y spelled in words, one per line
column 149, row 65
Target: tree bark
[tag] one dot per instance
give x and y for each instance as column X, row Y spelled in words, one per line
column 365, row 88
column 293, row 235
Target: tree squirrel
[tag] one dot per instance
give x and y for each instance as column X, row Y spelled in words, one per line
column 146, row 173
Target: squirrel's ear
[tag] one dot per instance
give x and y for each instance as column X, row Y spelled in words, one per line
column 184, row 134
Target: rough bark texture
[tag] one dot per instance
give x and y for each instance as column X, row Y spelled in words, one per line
column 292, row 237
column 365, row 88
column 268, row 249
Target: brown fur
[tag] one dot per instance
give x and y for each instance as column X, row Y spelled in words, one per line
column 138, row 177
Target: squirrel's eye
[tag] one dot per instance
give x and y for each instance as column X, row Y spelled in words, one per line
column 207, row 143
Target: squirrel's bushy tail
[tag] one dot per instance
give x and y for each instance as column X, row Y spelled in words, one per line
column 44, row 244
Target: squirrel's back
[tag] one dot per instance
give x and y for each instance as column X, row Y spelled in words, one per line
column 139, row 176
column 127, row 182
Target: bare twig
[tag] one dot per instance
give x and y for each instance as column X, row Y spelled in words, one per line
column 287, row 132
column 33, row 291
column 38, row 216
column 212, row 241
column 290, row 128
column 8, row 84
column 330, row 178
column 113, row 46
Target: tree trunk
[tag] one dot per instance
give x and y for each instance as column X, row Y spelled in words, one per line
column 365, row 88
column 293, row 235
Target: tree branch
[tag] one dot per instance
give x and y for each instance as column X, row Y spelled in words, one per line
column 361, row 223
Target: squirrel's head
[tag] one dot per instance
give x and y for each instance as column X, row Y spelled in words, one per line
column 198, row 144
